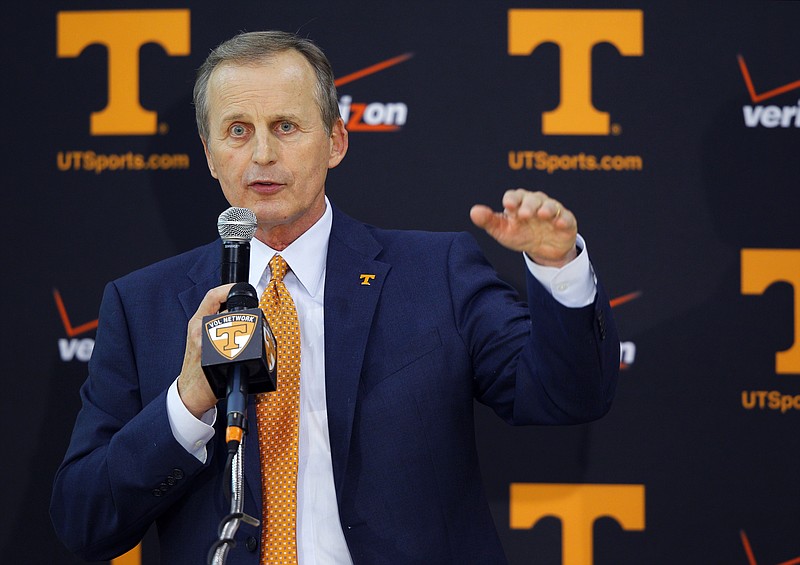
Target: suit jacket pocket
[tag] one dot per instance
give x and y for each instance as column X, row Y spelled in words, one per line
column 396, row 354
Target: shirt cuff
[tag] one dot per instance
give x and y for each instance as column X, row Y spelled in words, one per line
column 191, row 433
column 574, row 285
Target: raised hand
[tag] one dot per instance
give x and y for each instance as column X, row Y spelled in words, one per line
column 531, row 222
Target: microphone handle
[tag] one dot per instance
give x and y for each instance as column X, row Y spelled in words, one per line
column 237, row 399
column 235, row 261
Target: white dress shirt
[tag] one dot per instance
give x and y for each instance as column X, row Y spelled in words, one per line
column 320, row 539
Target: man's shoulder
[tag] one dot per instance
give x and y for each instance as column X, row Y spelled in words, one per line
column 344, row 224
column 401, row 239
column 423, row 241
column 401, row 246
column 195, row 263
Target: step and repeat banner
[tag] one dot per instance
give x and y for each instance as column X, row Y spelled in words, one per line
column 671, row 129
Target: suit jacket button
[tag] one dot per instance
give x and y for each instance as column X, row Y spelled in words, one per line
column 177, row 473
column 157, row 492
column 251, row 544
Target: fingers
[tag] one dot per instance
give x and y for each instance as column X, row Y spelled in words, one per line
column 212, row 301
column 531, row 222
column 526, row 205
column 209, row 305
column 554, row 211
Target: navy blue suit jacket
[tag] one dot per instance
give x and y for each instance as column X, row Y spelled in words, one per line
column 405, row 358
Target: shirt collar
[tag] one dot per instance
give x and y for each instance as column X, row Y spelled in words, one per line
column 306, row 255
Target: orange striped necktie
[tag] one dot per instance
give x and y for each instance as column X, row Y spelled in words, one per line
column 278, row 423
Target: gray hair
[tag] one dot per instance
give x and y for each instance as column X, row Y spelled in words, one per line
column 255, row 47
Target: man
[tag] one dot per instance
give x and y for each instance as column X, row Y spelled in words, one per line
column 399, row 333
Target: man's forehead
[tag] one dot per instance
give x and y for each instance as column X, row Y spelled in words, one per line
column 288, row 64
column 274, row 80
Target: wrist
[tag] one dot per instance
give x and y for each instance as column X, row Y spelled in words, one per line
column 558, row 262
column 196, row 400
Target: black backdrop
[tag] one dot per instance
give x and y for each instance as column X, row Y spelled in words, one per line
column 681, row 195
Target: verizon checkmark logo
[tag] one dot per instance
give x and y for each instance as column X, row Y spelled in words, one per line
column 73, row 347
column 756, row 97
column 71, row 330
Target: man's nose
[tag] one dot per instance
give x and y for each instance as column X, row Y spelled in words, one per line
column 263, row 151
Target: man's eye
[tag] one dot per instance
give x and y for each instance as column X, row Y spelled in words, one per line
column 238, row 130
column 286, row 127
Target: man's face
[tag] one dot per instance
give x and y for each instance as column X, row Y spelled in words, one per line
column 267, row 144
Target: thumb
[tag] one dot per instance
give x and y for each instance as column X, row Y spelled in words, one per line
column 213, row 300
column 483, row 217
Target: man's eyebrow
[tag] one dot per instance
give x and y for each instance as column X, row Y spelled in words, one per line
column 232, row 117
column 236, row 116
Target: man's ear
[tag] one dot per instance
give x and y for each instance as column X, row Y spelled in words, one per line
column 209, row 160
column 339, row 143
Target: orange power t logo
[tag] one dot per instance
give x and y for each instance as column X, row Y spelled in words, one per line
column 577, row 506
column 123, row 32
column 575, row 32
column 760, row 269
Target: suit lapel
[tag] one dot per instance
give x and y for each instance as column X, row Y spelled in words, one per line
column 353, row 283
column 205, row 274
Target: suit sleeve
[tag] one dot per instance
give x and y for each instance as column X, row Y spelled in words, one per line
column 123, row 467
column 543, row 363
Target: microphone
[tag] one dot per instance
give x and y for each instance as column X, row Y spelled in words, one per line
column 239, row 351
column 236, row 227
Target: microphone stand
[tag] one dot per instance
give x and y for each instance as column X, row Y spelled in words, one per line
column 230, row 523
